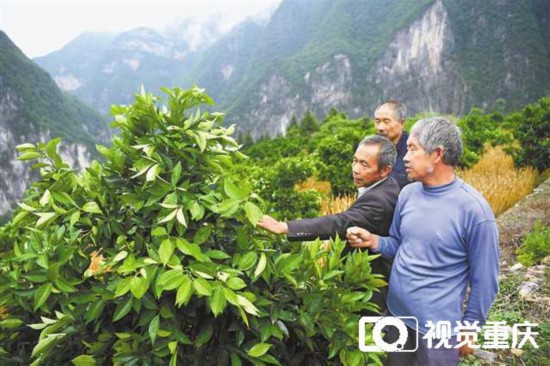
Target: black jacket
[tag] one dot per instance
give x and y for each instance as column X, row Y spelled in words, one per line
column 372, row 211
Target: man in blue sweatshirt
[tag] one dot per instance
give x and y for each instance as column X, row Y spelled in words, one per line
column 443, row 238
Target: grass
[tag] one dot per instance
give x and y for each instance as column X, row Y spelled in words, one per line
column 495, row 176
column 511, row 308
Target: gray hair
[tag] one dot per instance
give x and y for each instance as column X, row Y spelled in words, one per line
column 437, row 132
column 387, row 153
column 399, row 108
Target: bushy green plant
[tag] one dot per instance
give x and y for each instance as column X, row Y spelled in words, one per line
column 277, row 184
column 152, row 258
column 479, row 129
column 536, row 245
column 531, row 127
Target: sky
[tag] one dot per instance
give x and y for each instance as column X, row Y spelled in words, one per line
column 41, row 27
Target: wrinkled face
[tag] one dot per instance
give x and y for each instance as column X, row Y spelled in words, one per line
column 365, row 166
column 387, row 124
column 418, row 163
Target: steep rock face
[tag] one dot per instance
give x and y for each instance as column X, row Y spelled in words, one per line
column 331, row 84
column 328, row 85
column 275, row 105
column 418, row 68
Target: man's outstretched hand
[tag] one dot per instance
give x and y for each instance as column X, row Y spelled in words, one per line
column 272, row 225
column 361, row 238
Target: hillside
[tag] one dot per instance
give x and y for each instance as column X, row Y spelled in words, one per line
column 32, row 109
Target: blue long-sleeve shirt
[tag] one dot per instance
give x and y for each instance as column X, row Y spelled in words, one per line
column 442, row 239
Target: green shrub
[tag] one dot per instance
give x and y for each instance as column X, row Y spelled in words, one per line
column 536, row 245
column 152, row 258
column 531, row 128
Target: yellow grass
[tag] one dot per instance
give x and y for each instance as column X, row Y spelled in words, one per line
column 320, row 186
column 494, row 176
column 501, row 184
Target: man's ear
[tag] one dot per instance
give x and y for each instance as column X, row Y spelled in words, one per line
column 439, row 153
column 386, row 171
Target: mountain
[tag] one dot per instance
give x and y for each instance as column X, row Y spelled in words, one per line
column 441, row 56
column 221, row 67
column 32, row 109
column 444, row 56
column 117, row 67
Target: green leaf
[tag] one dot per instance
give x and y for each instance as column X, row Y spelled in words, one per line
column 44, row 217
column 202, row 286
column 253, row 213
column 46, row 198
column 181, row 217
column 259, row 349
column 246, row 261
column 261, row 265
column 123, row 286
column 153, row 329
column 191, row 249
column 233, row 191
column 197, row 211
column 166, row 250
column 217, row 254
column 152, row 173
column 235, row 283
column 74, row 218
column 11, row 323
column 176, row 174
column 169, row 217
column 25, row 147
column 122, row 309
column 46, row 343
column 91, row 207
column 64, row 286
column 204, row 336
column 235, row 360
column 139, row 286
column 200, row 139
column 29, row 155
column 171, row 280
column 184, row 291
column 217, row 301
column 228, row 207
column 142, row 171
column 41, row 295
column 247, row 305
column 120, row 256
column 83, row 360
column 202, row 235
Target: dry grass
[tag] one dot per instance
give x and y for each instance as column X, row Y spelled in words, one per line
column 334, row 205
column 320, row 186
column 494, row 176
column 501, row 184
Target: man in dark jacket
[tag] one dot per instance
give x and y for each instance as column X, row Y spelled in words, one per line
column 373, row 209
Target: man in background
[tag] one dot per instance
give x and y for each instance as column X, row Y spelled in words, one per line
column 389, row 121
